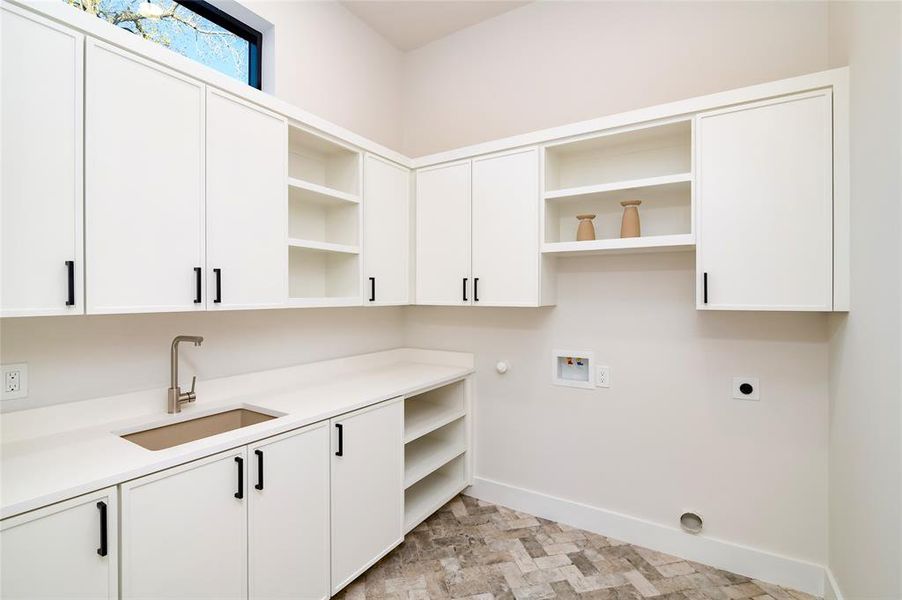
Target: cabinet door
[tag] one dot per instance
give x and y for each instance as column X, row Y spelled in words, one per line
column 68, row 550
column 386, row 232
column 367, row 488
column 506, row 229
column 247, row 205
column 41, row 209
column 184, row 531
column 288, row 516
column 144, row 185
column 443, row 235
column 764, row 196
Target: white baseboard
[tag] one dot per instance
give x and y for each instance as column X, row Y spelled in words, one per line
column 772, row 568
column 831, row 588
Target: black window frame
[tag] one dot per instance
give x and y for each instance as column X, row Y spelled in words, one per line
column 253, row 37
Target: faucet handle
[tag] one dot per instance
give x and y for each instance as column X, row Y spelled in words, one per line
column 193, row 382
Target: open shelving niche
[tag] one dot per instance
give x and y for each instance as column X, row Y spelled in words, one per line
column 593, row 174
column 324, row 220
column 436, row 442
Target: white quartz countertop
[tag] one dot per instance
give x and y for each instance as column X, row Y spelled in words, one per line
column 42, row 461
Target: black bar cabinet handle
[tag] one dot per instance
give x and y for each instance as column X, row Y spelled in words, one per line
column 102, row 551
column 476, row 289
column 465, row 289
column 341, row 440
column 197, row 284
column 218, row 298
column 704, row 288
column 240, row 493
column 70, row 278
column 372, row 289
column 259, row 484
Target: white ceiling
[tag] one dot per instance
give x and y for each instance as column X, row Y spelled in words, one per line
column 410, row 24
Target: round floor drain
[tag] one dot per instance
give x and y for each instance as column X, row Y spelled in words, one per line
column 691, row 522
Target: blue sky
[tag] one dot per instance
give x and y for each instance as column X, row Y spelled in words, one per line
column 212, row 45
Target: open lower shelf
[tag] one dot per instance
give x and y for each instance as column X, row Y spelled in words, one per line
column 312, row 192
column 323, row 246
column 433, row 492
column 430, row 452
column 431, row 410
column 653, row 243
column 424, row 417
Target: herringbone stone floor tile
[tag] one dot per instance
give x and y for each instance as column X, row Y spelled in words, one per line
column 479, row 551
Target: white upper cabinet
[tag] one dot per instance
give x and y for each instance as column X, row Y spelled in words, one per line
column 765, row 205
column 247, row 205
column 41, row 237
column 66, row 550
column 184, row 531
column 288, row 515
column 506, row 229
column 144, row 185
column 386, row 249
column 367, row 488
column 443, row 235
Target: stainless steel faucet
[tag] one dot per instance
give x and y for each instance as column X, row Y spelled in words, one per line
column 176, row 397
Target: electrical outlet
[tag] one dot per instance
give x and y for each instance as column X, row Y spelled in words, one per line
column 603, row 377
column 745, row 388
column 15, row 381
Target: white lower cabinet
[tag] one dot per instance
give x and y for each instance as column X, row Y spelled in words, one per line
column 184, row 531
column 66, row 550
column 367, row 488
column 288, row 516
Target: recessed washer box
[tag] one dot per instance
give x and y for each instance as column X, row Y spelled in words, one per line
column 573, row 368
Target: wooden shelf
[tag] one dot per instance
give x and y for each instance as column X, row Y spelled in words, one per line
column 656, row 243
column 433, row 492
column 313, row 192
column 630, row 184
column 323, row 246
column 430, row 452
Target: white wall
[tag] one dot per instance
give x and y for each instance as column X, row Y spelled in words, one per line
column 329, row 62
column 75, row 358
column 551, row 63
column 865, row 532
column 666, row 437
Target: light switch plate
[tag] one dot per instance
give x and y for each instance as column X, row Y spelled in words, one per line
column 741, row 391
column 15, row 381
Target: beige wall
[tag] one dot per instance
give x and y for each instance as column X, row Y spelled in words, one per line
column 551, row 63
column 666, row 437
column 865, row 525
column 75, row 358
column 329, row 62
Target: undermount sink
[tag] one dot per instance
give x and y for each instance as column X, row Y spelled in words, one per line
column 167, row 436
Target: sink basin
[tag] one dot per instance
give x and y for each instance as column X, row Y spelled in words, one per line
column 167, row 436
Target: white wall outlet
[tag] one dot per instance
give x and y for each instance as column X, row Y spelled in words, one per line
column 603, row 377
column 15, row 381
column 745, row 388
